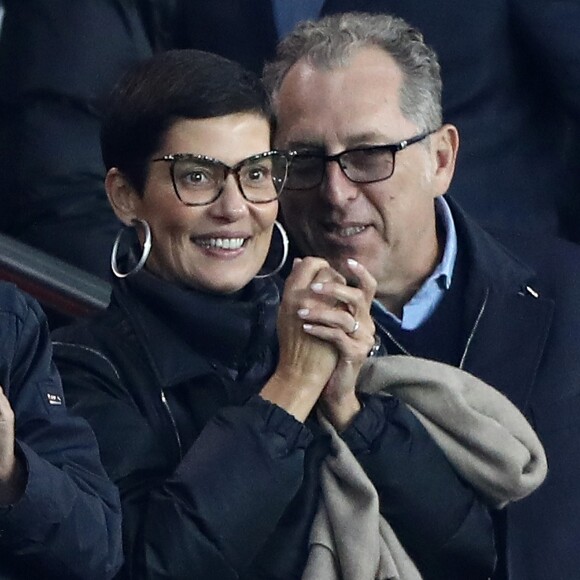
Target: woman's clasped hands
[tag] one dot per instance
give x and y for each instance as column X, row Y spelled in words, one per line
column 325, row 332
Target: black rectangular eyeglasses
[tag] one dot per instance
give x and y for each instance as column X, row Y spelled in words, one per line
column 359, row 165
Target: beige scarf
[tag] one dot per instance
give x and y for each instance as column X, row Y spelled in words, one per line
column 487, row 440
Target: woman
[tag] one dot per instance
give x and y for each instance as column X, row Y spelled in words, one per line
column 204, row 422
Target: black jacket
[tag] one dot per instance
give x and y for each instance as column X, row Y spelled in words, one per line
column 68, row 522
column 218, row 483
column 523, row 316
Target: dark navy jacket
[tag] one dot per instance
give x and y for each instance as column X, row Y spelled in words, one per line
column 527, row 345
column 67, row 525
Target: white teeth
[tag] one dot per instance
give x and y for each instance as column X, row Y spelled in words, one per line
column 346, row 232
column 224, row 243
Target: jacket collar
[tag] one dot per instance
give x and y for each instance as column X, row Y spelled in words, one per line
column 490, row 261
column 510, row 318
column 186, row 333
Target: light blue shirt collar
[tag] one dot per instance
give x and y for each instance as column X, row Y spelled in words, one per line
column 427, row 298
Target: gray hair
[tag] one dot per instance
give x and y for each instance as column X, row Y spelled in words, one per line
column 330, row 42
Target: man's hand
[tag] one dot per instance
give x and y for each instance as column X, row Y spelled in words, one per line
column 12, row 473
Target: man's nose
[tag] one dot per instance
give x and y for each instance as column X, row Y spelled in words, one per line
column 336, row 187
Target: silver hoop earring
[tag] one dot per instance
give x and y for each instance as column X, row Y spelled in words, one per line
column 144, row 255
column 285, row 247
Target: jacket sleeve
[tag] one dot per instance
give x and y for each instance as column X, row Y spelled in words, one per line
column 208, row 514
column 228, row 493
column 67, row 524
column 441, row 522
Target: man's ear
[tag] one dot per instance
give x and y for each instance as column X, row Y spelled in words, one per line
column 122, row 196
column 445, row 146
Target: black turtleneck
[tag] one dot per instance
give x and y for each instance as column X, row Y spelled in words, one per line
column 231, row 329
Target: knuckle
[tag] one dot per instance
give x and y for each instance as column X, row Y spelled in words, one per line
column 314, row 262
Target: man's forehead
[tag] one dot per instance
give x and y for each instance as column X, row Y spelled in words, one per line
column 333, row 127
column 325, row 142
column 352, row 104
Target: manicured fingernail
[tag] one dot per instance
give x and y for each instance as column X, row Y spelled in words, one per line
column 307, row 326
column 316, row 287
column 303, row 312
column 352, row 263
column 296, row 261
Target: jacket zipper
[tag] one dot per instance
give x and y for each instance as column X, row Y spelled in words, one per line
column 475, row 325
column 467, row 344
column 172, row 419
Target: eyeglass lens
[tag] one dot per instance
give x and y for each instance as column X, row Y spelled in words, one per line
column 365, row 165
column 199, row 180
column 359, row 165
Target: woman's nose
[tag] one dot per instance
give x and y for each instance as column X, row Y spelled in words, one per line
column 231, row 203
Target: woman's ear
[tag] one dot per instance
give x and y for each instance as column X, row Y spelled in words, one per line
column 122, row 195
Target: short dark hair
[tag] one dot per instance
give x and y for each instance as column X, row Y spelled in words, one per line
column 172, row 85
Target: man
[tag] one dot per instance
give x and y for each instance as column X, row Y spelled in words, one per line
column 59, row 514
column 358, row 97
